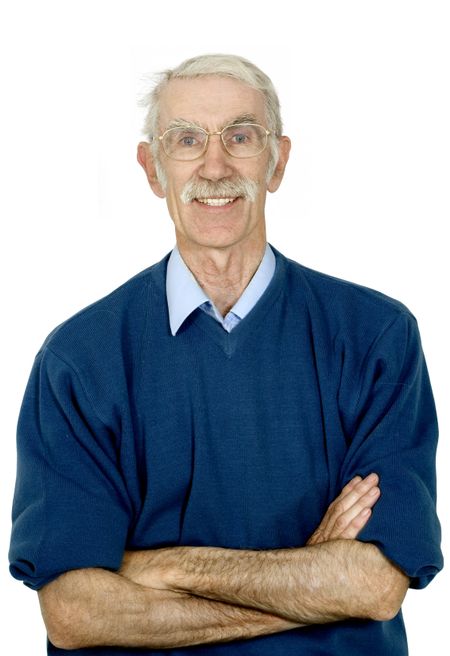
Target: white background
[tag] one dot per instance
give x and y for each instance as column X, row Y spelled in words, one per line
column 364, row 88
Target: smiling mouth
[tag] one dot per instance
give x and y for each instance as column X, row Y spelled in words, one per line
column 217, row 202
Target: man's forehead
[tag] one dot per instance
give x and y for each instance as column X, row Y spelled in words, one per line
column 210, row 101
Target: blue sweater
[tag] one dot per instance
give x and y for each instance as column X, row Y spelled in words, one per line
column 131, row 438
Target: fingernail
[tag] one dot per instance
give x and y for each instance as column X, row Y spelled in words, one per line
column 374, row 491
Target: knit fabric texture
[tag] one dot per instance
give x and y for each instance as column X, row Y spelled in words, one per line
column 132, row 438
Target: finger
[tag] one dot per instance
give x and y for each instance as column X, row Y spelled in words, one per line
column 352, row 493
column 343, row 500
column 344, row 521
column 347, row 506
column 356, row 525
column 350, row 486
column 363, row 486
column 350, row 526
column 342, row 503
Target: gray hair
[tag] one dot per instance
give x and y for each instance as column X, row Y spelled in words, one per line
column 221, row 65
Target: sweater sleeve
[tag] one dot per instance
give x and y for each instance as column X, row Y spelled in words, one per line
column 70, row 505
column 395, row 435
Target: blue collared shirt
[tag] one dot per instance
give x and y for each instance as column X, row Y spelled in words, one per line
column 184, row 294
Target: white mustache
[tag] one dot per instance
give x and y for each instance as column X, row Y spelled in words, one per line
column 239, row 186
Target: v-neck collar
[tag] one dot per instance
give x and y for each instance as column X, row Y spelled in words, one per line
column 229, row 342
column 184, row 294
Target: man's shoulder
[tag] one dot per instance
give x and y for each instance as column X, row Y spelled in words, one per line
column 343, row 300
column 122, row 311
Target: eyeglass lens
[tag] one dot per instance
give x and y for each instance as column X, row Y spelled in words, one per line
column 244, row 140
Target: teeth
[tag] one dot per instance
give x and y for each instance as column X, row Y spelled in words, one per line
column 215, row 201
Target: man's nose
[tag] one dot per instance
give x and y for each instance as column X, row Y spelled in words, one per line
column 216, row 161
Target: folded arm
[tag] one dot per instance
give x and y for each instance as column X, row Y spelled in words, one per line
column 323, row 583
column 137, row 608
column 332, row 578
column 94, row 607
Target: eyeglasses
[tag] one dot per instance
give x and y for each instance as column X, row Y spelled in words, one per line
column 188, row 143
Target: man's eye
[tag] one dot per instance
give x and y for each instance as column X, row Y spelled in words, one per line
column 188, row 141
column 240, row 138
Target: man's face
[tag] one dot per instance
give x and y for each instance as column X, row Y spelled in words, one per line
column 212, row 103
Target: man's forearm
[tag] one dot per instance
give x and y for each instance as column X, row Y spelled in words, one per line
column 94, row 607
column 334, row 577
column 137, row 608
column 327, row 582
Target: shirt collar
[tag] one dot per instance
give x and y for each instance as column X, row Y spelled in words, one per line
column 184, row 294
column 257, row 285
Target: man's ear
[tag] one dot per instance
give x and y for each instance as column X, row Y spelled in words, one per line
column 284, row 148
column 145, row 159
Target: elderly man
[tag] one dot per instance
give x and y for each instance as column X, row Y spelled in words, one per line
column 231, row 453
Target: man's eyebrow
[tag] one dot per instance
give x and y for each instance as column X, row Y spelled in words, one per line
column 181, row 123
column 190, row 125
column 242, row 118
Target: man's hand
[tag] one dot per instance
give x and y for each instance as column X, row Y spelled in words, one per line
column 349, row 512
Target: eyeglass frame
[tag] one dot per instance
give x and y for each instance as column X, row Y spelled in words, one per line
column 211, row 134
